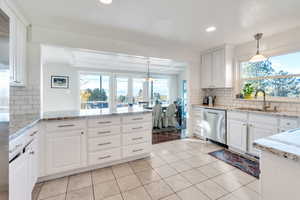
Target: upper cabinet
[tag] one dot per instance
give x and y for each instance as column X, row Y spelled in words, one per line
column 217, row 68
column 17, row 43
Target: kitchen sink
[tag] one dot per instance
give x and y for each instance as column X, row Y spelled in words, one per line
column 256, row 109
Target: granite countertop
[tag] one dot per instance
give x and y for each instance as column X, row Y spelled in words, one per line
column 232, row 108
column 286, row 144
column 93, row 113
column 20, row 123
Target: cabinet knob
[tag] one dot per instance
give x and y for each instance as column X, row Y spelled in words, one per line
column 31, row 152
column 82, row 133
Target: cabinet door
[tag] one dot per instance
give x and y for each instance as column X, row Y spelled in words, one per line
column 257, row 132
column 237, row 135
column 18, row 40
column 206, row 75
column 18, row 178
column 33, row 164
column 218, row 68
column 65, row 151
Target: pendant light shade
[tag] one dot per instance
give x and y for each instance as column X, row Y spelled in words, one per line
column 258, row 57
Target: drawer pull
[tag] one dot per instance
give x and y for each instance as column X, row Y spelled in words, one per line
column 138, row 138
column 32, row 134
column 137, row 150
column 140, row 118
column 136, row 128
column 103, row 132
column 65, row 125
column 288, row 123
column 106, row 143
column 104, row 157
column 106, row 122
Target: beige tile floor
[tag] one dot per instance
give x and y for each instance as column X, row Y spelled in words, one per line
column 176, row 170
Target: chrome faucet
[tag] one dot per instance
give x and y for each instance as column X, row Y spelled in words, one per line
column 265, row 107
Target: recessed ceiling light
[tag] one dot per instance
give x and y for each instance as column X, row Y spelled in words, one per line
column 210, row 29
column 106, row 1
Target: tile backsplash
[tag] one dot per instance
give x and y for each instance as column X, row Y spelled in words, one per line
column 227, row 97
column 24, row 100
column 24, row 106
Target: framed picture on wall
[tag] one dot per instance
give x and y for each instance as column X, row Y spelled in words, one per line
column 61, row 82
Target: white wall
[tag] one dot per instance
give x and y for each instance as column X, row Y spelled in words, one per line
column 60, row 99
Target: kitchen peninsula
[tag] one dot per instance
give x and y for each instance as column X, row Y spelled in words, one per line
column 70, row 142
column 280, row 160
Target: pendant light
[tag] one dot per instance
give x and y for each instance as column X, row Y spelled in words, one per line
column 258, row 57
column 149, row 79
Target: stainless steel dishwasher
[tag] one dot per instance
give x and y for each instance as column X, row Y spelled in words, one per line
column 215, row 128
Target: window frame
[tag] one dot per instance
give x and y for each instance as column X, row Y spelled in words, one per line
column 239, row 80
column 110, row 75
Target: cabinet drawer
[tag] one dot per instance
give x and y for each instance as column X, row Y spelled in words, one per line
column 263, row 119
column 135, row 138
column 104, row 131
column 138, row 127
column 288, row 123
column 65, row 125
column 100, row 143
column 241, row 116
column 137, row 118
column 104, row 156
column 105, row 121
column 137, row 149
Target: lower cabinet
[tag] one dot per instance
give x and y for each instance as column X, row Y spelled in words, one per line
column 23, row 173
column 65, row 151
column 237, row 135
column 78, row 144
column 32, row 156
column 257, row 131
column 18, row 178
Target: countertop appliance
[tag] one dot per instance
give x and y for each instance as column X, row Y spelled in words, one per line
column 215, row 128
column 209, row 100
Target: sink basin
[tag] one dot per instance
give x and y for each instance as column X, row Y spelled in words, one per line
column 256, row 109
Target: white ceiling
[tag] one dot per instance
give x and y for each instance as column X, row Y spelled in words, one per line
column 109, row 61
column 179, row 21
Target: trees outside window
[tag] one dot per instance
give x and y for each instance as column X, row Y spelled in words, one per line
column 94, row 91
column 279, row 76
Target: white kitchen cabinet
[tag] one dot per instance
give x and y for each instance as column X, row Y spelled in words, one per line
column 81, row 144
column 18, row 178
column 17, row 43
column 198, row 123
column 65, row 151
column 206, row 70
column 216, row 68
column 257, row 131
column 237, row 135
column 32, row 156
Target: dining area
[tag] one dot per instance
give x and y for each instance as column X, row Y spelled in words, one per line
column 168, row 121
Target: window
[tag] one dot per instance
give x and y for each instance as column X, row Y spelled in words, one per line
column 122, row 91
column 279, row 76
column 4, row 84
column 159, row 90
column 138, row 90
column 94, row 91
